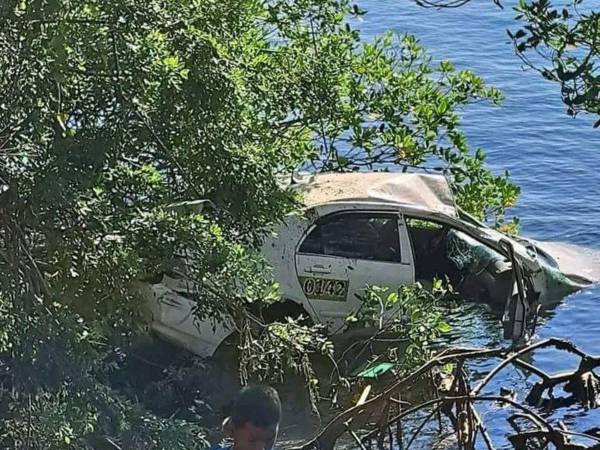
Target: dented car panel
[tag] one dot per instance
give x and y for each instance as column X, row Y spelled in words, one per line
column 173, row 319
column 388, row 229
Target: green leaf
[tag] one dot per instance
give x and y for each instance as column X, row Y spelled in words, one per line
column 392, row 298
column 444, row 327
column 448, row 368
column 171, row 62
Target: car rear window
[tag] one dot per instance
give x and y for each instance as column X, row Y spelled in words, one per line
column 372, row 237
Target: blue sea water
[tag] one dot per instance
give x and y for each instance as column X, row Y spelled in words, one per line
column 554, row 158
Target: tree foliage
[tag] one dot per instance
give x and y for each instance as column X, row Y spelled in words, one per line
column 414, row 315
column 561, row 41
column 110, row 112
column 375, row 104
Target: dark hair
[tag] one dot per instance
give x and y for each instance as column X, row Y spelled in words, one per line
column 259, row 405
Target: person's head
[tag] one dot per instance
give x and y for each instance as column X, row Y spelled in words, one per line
column 254, row 419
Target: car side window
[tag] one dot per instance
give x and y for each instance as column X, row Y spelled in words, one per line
column 368, row 236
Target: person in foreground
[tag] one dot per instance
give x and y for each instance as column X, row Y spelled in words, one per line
column 254, row 420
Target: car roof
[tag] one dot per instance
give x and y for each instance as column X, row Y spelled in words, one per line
column 424, row 191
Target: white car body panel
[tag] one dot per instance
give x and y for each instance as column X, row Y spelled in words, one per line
column 173, row 320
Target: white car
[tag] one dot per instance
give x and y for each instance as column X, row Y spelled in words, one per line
column 387, row 229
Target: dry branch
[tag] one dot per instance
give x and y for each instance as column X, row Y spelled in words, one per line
column 373, row 418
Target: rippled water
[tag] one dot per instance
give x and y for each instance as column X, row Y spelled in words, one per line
column 555, row 159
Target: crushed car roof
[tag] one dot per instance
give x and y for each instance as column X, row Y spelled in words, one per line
column 424, row 191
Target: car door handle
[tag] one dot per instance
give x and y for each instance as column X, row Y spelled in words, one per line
column 318, row 268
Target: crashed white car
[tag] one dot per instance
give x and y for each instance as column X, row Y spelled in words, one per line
column 388, row 229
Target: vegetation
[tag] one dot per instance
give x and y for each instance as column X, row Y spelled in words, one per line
column 417, row 321
column 457, row 405
column 561, row 42
column 408, row 322
column 112, row 111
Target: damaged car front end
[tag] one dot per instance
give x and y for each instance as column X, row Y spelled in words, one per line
column 527, row 278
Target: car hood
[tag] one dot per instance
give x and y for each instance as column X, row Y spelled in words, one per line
column 581, row 264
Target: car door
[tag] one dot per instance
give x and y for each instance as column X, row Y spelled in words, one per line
column 346, row 251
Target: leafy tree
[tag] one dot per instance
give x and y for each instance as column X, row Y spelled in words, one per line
column 375, row 104
column 561, row 42
column 111, row 112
